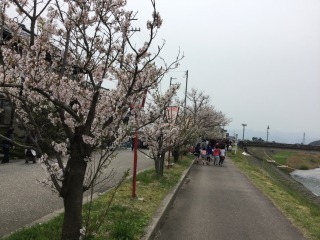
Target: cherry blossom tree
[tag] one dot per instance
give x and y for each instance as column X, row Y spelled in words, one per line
column 55, row 61
column 161, row 133
column 207, row 119
column 199, row 119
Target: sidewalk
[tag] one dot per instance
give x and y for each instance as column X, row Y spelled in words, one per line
column 220, row 203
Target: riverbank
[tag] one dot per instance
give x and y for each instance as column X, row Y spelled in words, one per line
column 294, row 160
column 298, row 204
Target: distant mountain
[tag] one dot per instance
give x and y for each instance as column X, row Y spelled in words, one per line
column 315, row 143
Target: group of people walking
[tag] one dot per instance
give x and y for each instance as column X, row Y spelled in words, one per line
column 206, row 154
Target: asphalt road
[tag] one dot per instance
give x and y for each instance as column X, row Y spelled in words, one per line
column 23, row 200
column 220, row 203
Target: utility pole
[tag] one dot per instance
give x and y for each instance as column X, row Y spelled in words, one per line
column 268, row 132
column 135, row 153
column 185, row 94
column 124, row 40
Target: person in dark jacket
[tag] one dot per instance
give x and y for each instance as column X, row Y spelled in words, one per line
column 196, row 153
column 209, row 153
column 6, row 145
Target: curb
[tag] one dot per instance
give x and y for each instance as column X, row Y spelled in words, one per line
column 159, row 216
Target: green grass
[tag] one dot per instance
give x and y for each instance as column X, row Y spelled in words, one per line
column 126, row 217
column 45, row 231
column 282, row 157
column 303, row 214
column 298, row 159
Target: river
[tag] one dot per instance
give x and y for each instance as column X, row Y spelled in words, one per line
column 309, row 178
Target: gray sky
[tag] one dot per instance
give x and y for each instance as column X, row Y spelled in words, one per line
column 259, row 60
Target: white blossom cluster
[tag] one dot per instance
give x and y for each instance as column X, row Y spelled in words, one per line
column 55, row 66
column 60, row 147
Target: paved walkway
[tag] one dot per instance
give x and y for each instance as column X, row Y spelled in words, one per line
column 220, row 203
column 23, row 201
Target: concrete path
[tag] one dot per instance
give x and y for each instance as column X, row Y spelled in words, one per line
column 23, row 201
column 220, row 203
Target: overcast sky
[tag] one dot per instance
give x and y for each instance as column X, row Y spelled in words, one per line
column 259, row 60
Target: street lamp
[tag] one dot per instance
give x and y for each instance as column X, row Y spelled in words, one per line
column 236, row 144
column 268, row 132
column 186, row 89
column 244, row 126
column 185, row 93
column 171, row 115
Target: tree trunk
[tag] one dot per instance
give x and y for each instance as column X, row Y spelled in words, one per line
column 176, row 154
column 156, row 165
column 159, row 163
column 72, row 192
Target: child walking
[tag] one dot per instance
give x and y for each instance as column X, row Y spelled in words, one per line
column 222, row 156
column 216, row 155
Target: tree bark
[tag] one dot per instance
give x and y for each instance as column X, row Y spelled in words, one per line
column 72, row 191
column 176, row 154
column 159, row 164
column 156, row 165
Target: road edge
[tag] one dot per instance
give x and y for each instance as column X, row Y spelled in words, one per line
column 159, row 216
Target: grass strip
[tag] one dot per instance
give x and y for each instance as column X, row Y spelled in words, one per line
column 127, row 217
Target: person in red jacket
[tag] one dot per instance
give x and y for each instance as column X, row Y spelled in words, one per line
column 216, row 155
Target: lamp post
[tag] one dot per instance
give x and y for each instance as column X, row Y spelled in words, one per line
column 135, row 150
column 171, row 115
column 186, row 90
column 185, row 93
column 244, row 126
column 268, row 132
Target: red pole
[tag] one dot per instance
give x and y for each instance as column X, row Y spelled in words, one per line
column 135, row 161
column 135, row 152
